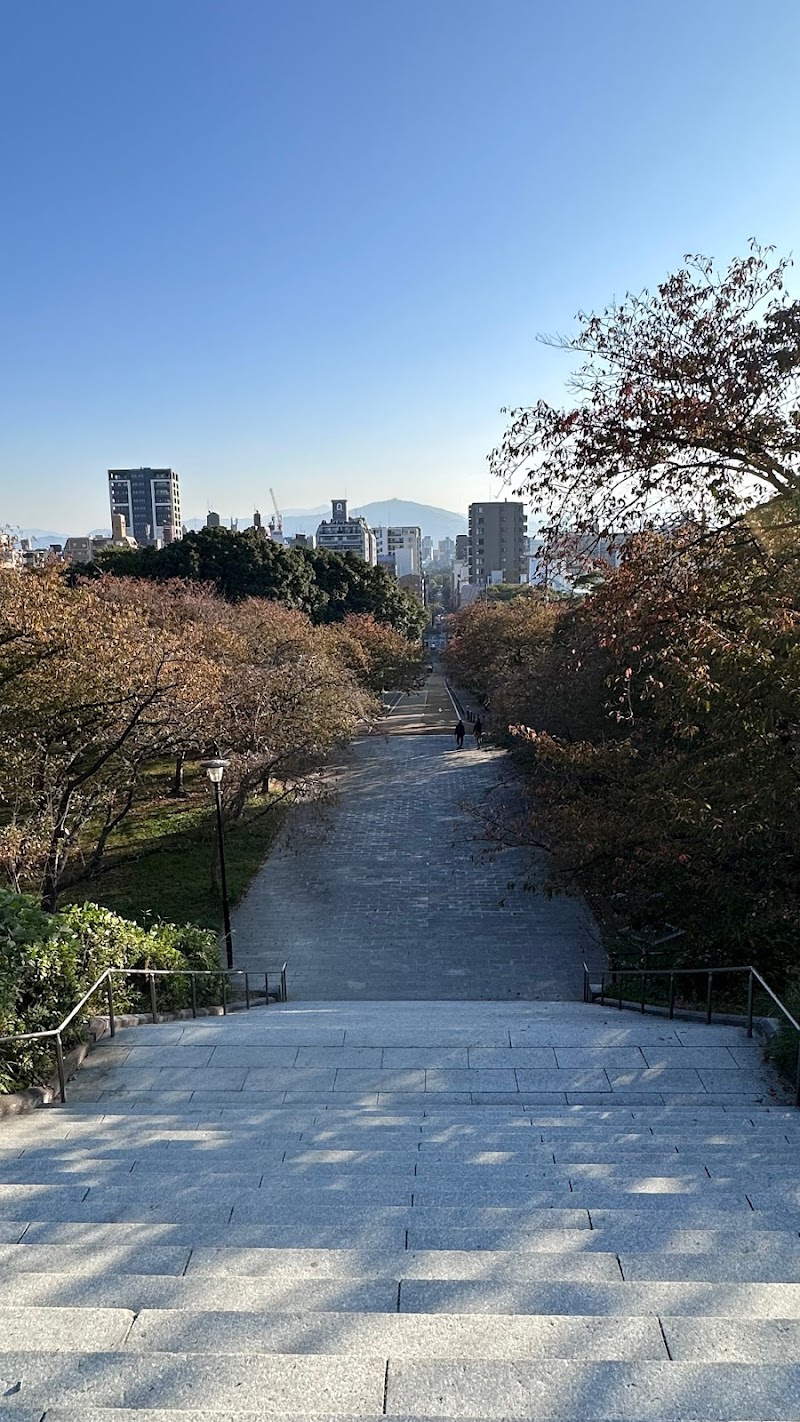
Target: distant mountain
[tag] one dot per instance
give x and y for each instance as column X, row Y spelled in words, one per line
column 435, row 523
column 39, row 537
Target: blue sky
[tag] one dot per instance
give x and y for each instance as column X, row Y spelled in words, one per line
column 310, row 244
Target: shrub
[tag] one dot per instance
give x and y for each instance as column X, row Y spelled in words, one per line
column 48, row 961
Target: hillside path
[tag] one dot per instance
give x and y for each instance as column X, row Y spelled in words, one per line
column 390, row 894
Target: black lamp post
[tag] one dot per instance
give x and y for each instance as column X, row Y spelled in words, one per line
column 215, row 769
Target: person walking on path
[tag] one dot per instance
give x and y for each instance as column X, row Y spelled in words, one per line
column 478, row 729
column 459, row 733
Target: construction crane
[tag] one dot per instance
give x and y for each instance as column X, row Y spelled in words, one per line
column 278, row 519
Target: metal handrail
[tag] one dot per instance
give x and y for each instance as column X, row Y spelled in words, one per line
column 753, row 977
column 282, row 995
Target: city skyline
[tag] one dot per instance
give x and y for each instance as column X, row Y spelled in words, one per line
column 242, row 242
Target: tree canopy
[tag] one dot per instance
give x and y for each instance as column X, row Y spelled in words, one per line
column 100, row 679
column 327, row 586
column 687, row 401
column 657, row 721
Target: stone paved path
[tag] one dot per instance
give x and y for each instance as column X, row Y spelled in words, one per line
column 429, row 711
column 390, row 896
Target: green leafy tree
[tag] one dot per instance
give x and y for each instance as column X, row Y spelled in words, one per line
column 327, row 586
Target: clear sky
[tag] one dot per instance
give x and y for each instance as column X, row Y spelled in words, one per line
column 309, row 243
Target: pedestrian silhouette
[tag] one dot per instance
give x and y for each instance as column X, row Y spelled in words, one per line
column 459, row 733
column 478, row 729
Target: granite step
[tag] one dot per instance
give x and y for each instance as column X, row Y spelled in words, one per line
column 508, row 1292
column 631, row 1253
column 338, row 1386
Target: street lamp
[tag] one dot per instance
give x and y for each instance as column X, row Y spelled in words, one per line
column 215, row 770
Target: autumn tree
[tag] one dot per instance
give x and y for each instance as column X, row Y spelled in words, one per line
column 657, row 724
column 379, row 657
column 286, row 699
column 491, row 644
column 686, row 399
column 97, row 693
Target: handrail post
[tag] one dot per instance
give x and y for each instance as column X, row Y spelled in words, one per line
column 153, row 1008
column 708, row 995
column 602, row 989
column 284, row 989
column 671, row 996
column 247, row 991
column 224, row 995
column 797, row 1075
column 62, row 1080
column 585, row 983
column 644, row 991
column 193, row 985
column 266, row 989
column 112, row 1026
column 750, row 1004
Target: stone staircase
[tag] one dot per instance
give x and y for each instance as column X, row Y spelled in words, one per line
column 412, row 1210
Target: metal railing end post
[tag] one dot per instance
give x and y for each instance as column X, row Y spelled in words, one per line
column 750, row 986
column 62, row 1079
column 112, row 1025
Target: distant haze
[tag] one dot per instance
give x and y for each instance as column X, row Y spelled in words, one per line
column 435, row 523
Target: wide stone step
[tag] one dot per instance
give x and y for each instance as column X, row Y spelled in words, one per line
column 330, row 1386
column 279, row 1293
column 208, row 1170
column 593, row 1392
column 310, row 1385
column 411, row 1335
column 504, row 1293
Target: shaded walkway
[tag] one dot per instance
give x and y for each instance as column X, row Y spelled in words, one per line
column 389, row 896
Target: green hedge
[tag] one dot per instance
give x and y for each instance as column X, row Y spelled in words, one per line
column 48, row 961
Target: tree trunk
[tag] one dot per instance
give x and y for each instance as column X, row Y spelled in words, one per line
column 177, row 780
column 54, row 863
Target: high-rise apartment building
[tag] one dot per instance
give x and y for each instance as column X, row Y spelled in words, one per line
column 341, row 534
column 150, row 501
column 497, row 543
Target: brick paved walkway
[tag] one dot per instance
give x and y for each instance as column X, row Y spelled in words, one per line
column 389, row 896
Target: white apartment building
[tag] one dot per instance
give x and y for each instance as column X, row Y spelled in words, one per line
column 341, row 534
column 403, row 543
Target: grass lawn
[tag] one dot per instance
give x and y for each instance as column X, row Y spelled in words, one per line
column 159, row 866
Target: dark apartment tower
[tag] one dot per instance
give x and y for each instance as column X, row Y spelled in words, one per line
column 150, row 499
column 496, row 542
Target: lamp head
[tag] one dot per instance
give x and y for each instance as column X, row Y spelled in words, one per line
column 214, row 769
